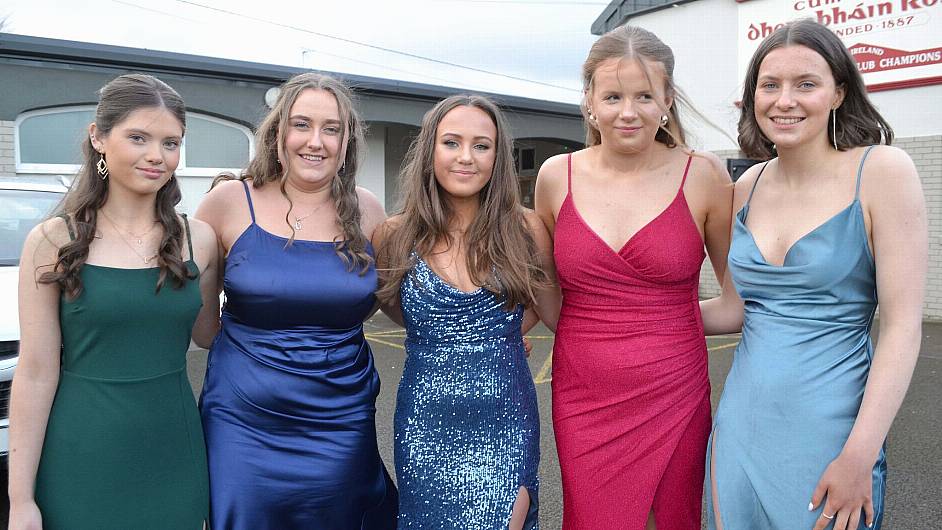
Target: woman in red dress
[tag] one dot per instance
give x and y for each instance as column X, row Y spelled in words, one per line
column 631, row 215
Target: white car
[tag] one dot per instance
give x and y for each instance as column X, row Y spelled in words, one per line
column 23, row 204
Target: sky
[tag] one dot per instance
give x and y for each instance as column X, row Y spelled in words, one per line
column 528, row 48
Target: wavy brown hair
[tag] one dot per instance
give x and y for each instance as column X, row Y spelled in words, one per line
column 89, row 192
column 265, row 167
column 858, row 121
column 502, row 255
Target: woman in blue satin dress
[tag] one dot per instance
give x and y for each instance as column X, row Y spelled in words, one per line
column 824, row 229
column 289, row 399
column 458, row 265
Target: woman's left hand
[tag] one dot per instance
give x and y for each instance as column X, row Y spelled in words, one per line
column 846, row 487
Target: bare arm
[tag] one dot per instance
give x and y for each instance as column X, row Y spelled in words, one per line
column 37, row 372
column 548, row 298
column 392, row 310
column 894, row 201
column 372, row 216
column 718, row 188
column 207, row 253
column 724, row 314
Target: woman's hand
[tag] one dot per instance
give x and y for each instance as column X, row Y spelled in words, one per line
column 25, row 516
column 846, row 487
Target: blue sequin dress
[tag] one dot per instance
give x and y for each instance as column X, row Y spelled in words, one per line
column 467, row 428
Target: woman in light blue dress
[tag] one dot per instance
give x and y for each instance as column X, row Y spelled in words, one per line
column 826, row 227
column 458, row 266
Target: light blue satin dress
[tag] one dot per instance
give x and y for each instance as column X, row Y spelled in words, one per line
column 798, row 375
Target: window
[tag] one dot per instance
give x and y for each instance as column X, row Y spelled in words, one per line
column 524, row 159
column 50, row 141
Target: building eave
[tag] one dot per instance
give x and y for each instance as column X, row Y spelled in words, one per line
column 102, row 55
column 618, row 12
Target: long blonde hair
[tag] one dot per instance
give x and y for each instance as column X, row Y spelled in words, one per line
column 501, row 251
column 269, row 144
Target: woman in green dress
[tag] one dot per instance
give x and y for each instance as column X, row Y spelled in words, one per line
column 104, row 430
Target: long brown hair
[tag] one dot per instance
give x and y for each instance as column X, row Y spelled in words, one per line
column 858, row 122
column 502, row 254
column 89, row 192
column 270, row 142
column 634, row 43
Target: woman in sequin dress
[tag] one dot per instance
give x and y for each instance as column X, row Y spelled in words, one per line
column 631, row 215
column 458, row 266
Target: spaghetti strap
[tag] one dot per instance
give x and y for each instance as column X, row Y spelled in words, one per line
column 860, row 171
column 189, row 238
column 68, row 224
column 569, row 172
column 248, row 197
column 756, row 183
column 686, row 169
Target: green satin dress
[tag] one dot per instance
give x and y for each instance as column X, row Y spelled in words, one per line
column 124, row 445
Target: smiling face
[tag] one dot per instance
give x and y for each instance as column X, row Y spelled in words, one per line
column 794, row 96
column 142, row 151
column 626, row 105
column 312, row 141
column 464, row 151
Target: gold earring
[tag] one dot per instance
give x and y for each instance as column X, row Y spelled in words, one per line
column 102, row 166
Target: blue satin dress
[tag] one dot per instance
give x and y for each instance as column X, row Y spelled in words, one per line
column 798, row 375
column 467, row 428
column 289, row 400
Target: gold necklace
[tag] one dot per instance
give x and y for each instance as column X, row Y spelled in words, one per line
column 138, row 238
column 145, row 259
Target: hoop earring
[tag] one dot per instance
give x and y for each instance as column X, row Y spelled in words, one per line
column 834, row 127
column 102, row 166
column 664, row 119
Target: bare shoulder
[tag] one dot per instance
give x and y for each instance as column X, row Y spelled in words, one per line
column 890, row 179
column 707, row 166
column 554, row 171
column 889, row 163
column 369, row 203
column 743, row 187
column 44, row 241
column 220, row 199
column 202, row 233
column 372, row 213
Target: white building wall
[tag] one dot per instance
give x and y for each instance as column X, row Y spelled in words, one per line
column 372, row 174
column 703, row 37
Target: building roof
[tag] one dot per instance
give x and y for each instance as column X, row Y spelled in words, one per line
column 101, row 55
column 619, row 11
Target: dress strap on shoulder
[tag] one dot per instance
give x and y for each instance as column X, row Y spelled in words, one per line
column 569, row 172
column 686, row 170
column 860, row 171
column 68, row 224
column 756, row 183
column 189, row 238
column 248, row 197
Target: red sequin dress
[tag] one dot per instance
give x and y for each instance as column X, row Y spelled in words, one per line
column 631, row 392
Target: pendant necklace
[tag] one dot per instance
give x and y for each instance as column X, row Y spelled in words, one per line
column 145, row 259
column 139, row 239
column 297, row 220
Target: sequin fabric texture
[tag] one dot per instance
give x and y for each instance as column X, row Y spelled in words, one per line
column 467, row 428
